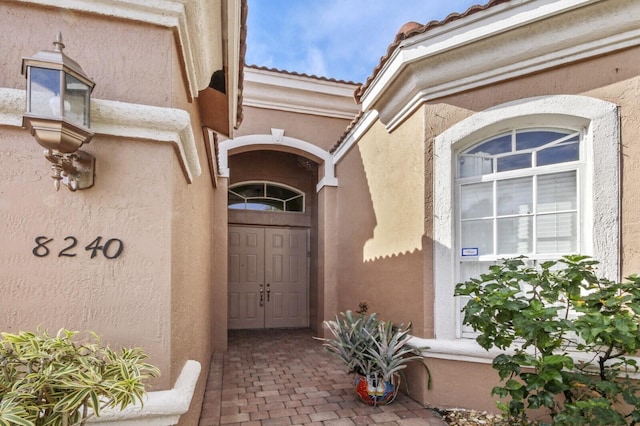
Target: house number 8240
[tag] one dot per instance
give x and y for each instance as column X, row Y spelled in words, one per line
column 111, row 248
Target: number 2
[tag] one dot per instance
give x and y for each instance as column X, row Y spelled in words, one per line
column 63, row 252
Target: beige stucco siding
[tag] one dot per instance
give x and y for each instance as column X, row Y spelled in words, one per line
column 129, row 61
column 317, row 130
column 381, row 223
column 192, row 225
column 158, row 294
column 126, row 300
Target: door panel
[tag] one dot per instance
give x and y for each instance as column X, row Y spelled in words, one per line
column 286, row 278
column 273, row 260
column 246, row 277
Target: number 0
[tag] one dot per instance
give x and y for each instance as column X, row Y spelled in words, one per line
column 105, row 248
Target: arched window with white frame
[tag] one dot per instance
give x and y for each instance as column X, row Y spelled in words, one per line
column 537, row 177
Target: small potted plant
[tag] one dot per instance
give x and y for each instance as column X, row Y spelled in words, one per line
column 375, row 351
column 56, row 381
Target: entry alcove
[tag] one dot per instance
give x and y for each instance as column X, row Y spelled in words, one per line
column 260, row 184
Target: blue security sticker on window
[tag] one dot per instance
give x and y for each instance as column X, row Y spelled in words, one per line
column 470, row 251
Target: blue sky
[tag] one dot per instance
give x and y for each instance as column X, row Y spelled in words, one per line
column 342, row 39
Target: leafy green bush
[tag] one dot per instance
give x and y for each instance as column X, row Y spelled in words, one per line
column 571, row 334
column 53, row 381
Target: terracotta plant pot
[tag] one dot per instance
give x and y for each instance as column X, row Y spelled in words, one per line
column 375, row 392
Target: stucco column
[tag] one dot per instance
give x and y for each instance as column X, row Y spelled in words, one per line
column 219, row 265
column 327, row 256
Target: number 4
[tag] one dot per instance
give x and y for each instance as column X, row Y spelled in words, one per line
column 94, row 247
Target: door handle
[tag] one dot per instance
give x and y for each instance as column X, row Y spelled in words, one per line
column 261, row 295
column 268, row 292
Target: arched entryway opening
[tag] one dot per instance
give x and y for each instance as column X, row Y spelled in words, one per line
column 272, row 218
column 299, row 166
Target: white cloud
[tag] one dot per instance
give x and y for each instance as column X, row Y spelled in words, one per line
column 342, row 39
column 315, row 62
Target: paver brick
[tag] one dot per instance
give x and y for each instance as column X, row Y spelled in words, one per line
column 305, row 410
column 384, row 417
column 236, row 418
column 300, row 419
column 286, row 412
column 339, row 422
column 284, row 421
column 321, row 417
column 327, row 407
column 284, row 377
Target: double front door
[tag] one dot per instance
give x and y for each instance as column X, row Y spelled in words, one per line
column 268, row 277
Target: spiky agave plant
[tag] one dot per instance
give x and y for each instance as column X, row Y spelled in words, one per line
column 373, row 348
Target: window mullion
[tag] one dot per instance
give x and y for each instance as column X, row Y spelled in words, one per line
column 534, row 209
column 495, row 215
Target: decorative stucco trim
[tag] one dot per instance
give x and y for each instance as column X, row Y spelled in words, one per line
column 161, row 408
column 600, row 122
column 164, row 13
column 351, row 139
column 125, row 120
column 328, row 177
column 468, row 350
column 300, row 94
column 151, row 123
column 457, row 57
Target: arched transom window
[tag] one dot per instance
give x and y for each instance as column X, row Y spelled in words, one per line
column 265, row 196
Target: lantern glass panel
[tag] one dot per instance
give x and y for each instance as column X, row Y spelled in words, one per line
column 44, row 92
column 76, row 100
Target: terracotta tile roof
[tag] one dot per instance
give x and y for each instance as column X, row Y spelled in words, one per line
column 408, row 30
column 350, row 127
column 411, row 29
column 244, row 12
column 298, row 74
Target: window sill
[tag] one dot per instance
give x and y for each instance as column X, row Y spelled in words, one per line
column 468, row 350
column 455, row 350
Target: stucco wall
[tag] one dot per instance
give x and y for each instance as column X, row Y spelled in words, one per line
column 192, row 301
column 381, row 224
column 139, row 72
column 317, row 130
column 126, row 300
column 158, row 293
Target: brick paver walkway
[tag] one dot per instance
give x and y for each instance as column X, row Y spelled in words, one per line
column 284, row 377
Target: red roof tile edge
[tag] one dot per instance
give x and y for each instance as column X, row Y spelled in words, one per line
column 344, row 136
column 411, row 29
column 299, row 74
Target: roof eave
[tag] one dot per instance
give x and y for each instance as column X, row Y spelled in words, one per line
column 418, row 70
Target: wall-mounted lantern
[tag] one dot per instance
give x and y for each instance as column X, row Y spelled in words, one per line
column 58, row 106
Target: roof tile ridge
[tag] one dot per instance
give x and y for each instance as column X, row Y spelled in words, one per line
column 411, row 29
column 301, row 74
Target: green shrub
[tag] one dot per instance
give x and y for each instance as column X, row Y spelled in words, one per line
column 570, row 334
column 54, row 381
